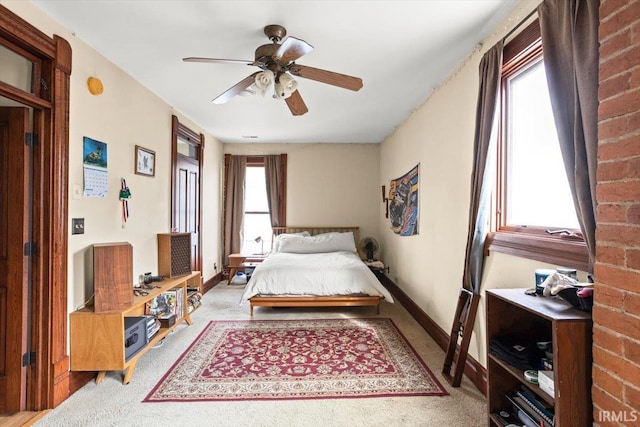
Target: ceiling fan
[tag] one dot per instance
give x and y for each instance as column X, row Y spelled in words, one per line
column 277, row 62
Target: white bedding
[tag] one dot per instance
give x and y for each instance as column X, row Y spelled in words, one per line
column 319, row 274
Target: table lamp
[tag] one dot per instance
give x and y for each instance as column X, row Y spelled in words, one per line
column 259, row 240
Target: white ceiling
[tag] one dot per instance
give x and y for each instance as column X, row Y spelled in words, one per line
column 401, row 50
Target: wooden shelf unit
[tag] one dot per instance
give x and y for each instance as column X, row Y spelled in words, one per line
column 97, row 340
column 511, row 312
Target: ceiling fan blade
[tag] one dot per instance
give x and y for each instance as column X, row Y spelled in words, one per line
column 235, row 89
column 296, row 104
column 292, row 49
column 222, row 61
column 329, row 77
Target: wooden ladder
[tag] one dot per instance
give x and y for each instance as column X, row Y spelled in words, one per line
column 462, row 327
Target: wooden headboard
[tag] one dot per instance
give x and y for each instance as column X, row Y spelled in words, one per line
column 319, row 230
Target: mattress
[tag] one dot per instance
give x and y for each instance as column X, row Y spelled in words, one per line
column 315, row 274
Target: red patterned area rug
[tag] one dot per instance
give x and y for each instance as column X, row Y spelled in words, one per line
column 297, row 359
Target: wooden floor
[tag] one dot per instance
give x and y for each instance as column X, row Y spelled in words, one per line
column 25, row 418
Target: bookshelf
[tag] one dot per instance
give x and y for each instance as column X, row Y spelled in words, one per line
column 532, row 319
column 97, row 340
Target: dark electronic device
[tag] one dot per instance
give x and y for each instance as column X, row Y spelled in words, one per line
column 135, row 335
column 148, row 278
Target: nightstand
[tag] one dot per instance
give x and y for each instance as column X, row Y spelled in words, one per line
column 374, row 264
column 240, row 261
column 377, row 267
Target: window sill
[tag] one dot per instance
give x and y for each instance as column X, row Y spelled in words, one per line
column 553, row 250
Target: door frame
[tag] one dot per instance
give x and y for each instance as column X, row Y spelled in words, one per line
column 49, row 384
column 179, row 130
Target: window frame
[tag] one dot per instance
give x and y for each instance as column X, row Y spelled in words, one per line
column 255, row 162
column 526, row 241
column 259, row 161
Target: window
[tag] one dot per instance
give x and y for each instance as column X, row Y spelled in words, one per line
column 257, row 221
column 246, row 221
column 533, row 198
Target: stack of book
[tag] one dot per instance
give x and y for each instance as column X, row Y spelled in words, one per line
column 532, row 410
column 153, row 326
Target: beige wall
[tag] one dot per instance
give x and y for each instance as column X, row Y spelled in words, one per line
column 125, row 115
column 328, row 184
column 439, row 135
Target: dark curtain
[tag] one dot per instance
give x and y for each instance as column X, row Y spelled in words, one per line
column 490, row 73
column 234, row 205
column 273, row 177
column 569, row 30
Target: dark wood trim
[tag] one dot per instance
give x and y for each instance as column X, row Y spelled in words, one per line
column 16, row 94
column 209, row 284
column 521, row 43
column 472, row 369
column 200, row 194
column 175, row 125
column 179, row 130
column 36, row 69
column 78, row 379
column 49, row 377
column 554, row 250
column 255, row 161
column 21, row 33
column 57, row 234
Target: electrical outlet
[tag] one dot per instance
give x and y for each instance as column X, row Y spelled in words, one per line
column 215, row 266
column 77, row 226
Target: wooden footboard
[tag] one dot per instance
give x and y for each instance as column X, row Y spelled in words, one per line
column 330, row 301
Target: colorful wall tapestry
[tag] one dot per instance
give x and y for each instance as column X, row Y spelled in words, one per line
column 403, row 203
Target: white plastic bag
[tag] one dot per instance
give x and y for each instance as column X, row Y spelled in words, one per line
column 239, row 279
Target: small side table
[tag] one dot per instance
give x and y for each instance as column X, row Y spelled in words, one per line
column 239, row 261
column 377, row 267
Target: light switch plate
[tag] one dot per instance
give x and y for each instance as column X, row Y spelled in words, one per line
column 77, row 226
column 77, row 192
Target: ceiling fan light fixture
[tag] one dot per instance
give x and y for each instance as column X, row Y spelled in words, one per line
column 285, row 86
column 264, row 80
column 278, row 64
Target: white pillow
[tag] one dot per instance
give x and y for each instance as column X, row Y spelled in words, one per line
column 280, row 237
column 321, row 243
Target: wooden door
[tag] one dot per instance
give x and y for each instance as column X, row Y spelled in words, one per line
column 14, row 265
column 187, row 214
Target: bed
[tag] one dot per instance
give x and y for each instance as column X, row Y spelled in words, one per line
column 314, row 267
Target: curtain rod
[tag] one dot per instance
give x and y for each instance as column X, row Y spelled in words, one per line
column 534, row 11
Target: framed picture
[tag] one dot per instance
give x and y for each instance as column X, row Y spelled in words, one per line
column 145, row 161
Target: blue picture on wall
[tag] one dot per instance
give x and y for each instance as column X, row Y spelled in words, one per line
column 403, row 203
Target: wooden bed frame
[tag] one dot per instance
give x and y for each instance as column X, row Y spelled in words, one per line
column 317, row 301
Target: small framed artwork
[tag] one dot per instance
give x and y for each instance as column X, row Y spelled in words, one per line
column 145, row 161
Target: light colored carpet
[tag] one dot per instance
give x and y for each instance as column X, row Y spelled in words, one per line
column 113, row 404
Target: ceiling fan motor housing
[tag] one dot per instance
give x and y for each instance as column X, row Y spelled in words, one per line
column 265, row 52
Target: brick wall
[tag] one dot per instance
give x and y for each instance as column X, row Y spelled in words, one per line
column 616, row 313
